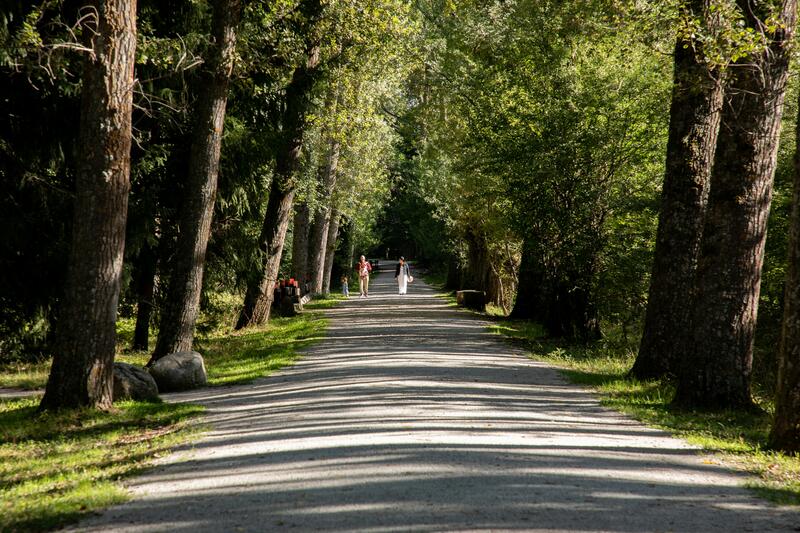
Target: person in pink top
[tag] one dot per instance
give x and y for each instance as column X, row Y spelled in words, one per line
column 364, row 268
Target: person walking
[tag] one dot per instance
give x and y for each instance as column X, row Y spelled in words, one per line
column 403, row 275
column 364, row 268
column 345, row 286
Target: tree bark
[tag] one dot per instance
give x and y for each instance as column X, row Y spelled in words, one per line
column 477, row 274
column 715, row 373
column 322, row 219
column 259, row 296
column 144, row 280
column 330, row 252
column 694, row 125
column 454, row 275
column 182, row 300
column 85, row 338
column 300, row 233
column 785, row 433
column 527, row 305
column 568, row 310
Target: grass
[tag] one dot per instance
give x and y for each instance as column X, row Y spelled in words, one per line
column 436, row 278
column 736, row 438
column 243, row 356
column 25, row 376
column 230, row 357
column 57, row 467
column 326, row 301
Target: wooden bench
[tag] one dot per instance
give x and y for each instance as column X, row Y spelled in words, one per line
column 472, row 299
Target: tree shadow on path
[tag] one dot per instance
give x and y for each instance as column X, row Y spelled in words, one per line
column 411, row 416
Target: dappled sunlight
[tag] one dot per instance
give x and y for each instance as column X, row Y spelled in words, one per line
column 421, row 420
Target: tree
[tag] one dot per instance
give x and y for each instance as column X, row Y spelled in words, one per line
column 785, row 432
column 259, row 295
column 322, row 218
column 330, row 248
column 715, row 370
column 353, row 36
column 81, row 374
column 694, row 124
column 176, row 329
column 144, row 273
column 300, row 233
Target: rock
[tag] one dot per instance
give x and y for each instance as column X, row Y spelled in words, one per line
column 134, row 383
column 472, row 299
column 179, row 371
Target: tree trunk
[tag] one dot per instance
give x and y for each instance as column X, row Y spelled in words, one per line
column 453, row 280
column 322, row 219
column 715, row 373
column 259, row 296
column 144, row 280
column 300, row 233
column 694, row 125
column 568, row 309
column 85, row 339
column 330, row 252
column 478, row 266
column 182, row 299
column 785, row 434
column 527, row 305
column 351, row 249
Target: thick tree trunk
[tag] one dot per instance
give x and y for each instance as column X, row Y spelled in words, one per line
column 144, row 280
column 453, row 280
column 182, row 299
column 300, row 233
column 477, row 277
column 694, row 125
column 330, row 252
column 785, row 434
column 322, row 219
column 85, row 338
column 259, row 296
column 351, row 249
column 715, row 373
column 568, row 308
column 527, row 305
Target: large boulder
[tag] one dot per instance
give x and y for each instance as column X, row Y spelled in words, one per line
column 179, row 371
column 134, row 383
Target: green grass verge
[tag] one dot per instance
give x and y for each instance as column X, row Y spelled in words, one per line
column 56, row 467
column 230, row 358
column 735, row 438
column 25, row 376
column 244, row 356
column 326, row 301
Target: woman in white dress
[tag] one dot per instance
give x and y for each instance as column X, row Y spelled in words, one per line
column 403, row 275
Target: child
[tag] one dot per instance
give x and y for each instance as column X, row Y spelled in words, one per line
column 345, row 288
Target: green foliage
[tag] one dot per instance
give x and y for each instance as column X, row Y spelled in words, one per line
column 57, row 467
column 538, row 121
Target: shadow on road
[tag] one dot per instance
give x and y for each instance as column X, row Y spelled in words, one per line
column 410, row 416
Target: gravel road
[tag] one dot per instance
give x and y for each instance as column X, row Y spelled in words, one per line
column 411, row 417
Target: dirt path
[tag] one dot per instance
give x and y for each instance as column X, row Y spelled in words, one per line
column 410, row 416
